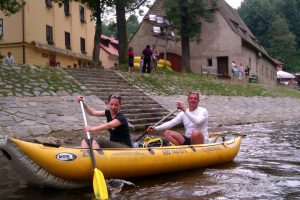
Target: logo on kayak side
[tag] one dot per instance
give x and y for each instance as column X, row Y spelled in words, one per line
column 66, row 156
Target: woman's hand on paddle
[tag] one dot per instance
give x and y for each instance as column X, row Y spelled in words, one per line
column 87, row 129
column 150, row 129
column 79, row 98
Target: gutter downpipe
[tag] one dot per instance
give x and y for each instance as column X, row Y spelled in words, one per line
column 23, row 33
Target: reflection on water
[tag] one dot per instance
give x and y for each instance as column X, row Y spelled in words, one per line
column 267, row 167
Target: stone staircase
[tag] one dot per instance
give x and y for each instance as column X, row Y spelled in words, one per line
column 140, row 110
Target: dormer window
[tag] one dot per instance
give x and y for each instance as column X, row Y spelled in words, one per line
column 244, row 31
column 48, row 3
column 235, row 24
column 81, row 13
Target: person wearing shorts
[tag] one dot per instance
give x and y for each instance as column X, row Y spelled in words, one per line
column 194, row 119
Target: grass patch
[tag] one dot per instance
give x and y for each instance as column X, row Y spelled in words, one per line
column 168, row 82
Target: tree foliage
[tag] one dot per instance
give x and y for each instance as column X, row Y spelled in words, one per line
column 110, row 29
column 9, row 7
column 276, row 24
column 132, row 25
column 121, row 7
column 186, row 16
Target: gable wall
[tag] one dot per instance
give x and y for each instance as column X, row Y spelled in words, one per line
column 217, row 40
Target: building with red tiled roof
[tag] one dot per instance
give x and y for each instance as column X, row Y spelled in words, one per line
column 109, row 55
column 224, row 40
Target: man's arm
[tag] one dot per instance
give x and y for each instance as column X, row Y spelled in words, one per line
column 197, row 119
column 177, row 120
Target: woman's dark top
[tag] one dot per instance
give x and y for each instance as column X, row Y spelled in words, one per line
column 247, row 70
column 121, row 133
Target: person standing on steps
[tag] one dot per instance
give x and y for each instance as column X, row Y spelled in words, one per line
column 154, row 57
column 147, row 54
column 117, row 125
column 130, row 59
column 194, row 119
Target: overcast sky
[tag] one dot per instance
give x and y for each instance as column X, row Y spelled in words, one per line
column 234, row 3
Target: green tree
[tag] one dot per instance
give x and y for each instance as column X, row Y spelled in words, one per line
column 109, row 29
column 185, row 16
column 132, row 25
column 258, row 16
column 290, row 10
column 282, row 42
column 9, row 7
column 276, row 24
column 123, row 6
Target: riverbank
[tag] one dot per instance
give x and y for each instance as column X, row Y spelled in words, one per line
column 39, row 101
column 27, row 117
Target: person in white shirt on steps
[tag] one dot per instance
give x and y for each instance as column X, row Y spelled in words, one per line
column 194, row 119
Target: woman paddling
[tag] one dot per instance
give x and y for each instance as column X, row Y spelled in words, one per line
column 117, row 125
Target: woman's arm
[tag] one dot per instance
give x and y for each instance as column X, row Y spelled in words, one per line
column 112, row 124
column 93, row 112
column 90, row 111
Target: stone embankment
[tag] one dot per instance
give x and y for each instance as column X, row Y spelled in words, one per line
column 34, row 116
column 40, row 109
column 234, row 110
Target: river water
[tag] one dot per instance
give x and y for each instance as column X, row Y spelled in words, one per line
column 267, row 167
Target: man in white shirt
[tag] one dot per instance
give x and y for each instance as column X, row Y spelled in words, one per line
column 194, row 119
column 9, row 59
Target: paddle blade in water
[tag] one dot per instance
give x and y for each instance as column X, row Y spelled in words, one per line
column 99, row 185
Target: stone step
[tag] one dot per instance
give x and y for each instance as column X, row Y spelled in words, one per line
column 142, row 110
column 92, row 77
column 88, row 71
column 148, row 106
column 138, row 101
column 144, row 115
column 152, row 120
column 140, row 127
column 106, row 84
column 123, row 95
column 121, row 91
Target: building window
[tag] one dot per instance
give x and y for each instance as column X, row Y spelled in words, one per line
column 82, row 45
column 48, row 3
column 67, row 8
column 209, row 62
column 49, row 35
column 68, row 40
column 81, row 12
column 1, row 27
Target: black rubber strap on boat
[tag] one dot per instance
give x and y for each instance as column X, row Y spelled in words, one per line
column 51, row 145
column 193, row 148
column 100, row 151
column 151, row 151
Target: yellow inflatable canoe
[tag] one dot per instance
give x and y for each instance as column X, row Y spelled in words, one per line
column 63, row 167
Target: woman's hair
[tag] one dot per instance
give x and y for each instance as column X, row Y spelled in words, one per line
column 130, row 48
column 114, row 96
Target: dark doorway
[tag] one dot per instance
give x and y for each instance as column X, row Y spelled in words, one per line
column 174, row 59
column 223, row 67
column 52, row 59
